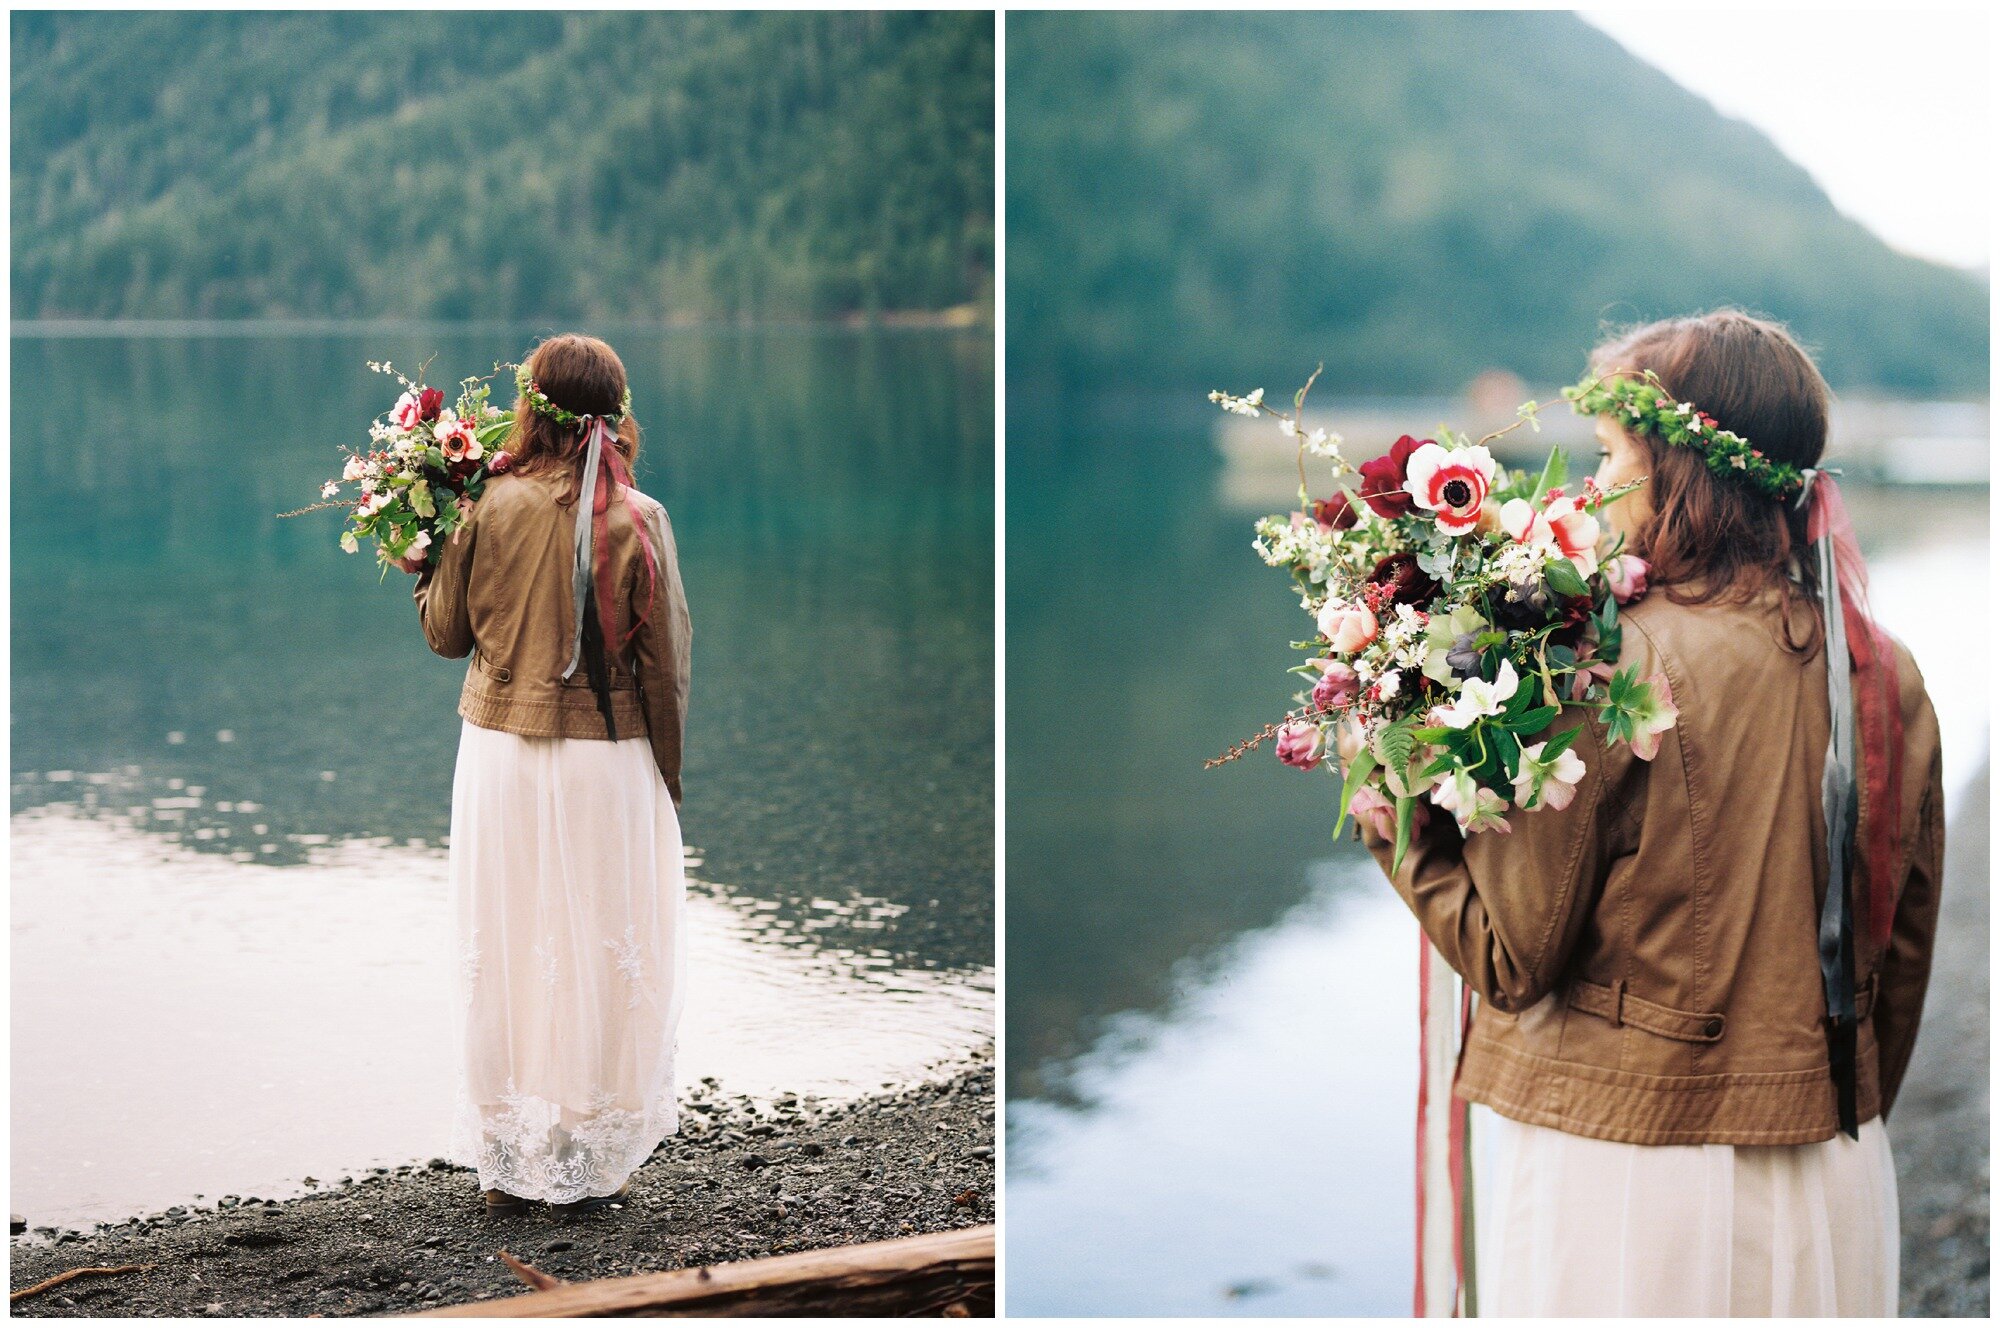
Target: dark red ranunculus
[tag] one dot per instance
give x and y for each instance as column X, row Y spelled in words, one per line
column 1406, row 582
column 1382, row 479
column 429, row 402
column 1335, row 513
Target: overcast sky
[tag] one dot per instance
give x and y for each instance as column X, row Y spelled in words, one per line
column 1887, row 108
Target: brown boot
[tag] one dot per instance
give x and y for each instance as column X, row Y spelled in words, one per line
column 499, row 1203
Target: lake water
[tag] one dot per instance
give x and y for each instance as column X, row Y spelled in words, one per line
column 1211, row 1009
column 232, row 751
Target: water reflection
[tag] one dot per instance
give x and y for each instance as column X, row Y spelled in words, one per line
column 1215, row 1169
column 186, row 1024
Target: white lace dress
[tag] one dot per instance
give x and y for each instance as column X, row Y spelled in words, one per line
column 567, row 887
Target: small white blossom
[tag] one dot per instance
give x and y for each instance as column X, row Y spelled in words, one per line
column 1251, row 405
column 1323, row 444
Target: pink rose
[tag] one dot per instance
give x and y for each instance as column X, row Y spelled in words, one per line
column 407, row 411
column 501, row 463
column 1301, row 744
column 1627, row 575
column 1337, row 687
column 1350, row 627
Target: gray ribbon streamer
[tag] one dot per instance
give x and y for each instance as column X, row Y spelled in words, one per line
column 1838, row 795
column 580, row 577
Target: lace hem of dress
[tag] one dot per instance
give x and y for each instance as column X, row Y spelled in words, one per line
column 533, row 1148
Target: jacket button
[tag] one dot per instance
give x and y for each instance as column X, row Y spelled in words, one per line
column 1713, row 1028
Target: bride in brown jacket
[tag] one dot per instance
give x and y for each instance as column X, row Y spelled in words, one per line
column 565, row 868
column 1667, row 1090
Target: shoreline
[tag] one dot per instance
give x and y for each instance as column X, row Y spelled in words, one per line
column 1938, row 1127
column 956, row 318
column 743, row 1179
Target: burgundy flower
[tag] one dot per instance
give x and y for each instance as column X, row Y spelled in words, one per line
column 501, row 463
column 1335, row 513
column 1406, row 582
column 429, row 403
column 1382, row 479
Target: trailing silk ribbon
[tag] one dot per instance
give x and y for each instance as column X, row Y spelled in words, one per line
column 604, row 469
column 1866, row 700
column 1444, row 1217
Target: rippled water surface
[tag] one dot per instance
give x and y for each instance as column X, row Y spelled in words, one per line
column 1211, row 1010
column 232, row 752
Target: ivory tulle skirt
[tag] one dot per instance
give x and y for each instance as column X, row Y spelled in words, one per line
column 567, row 887
column 1570, row 1226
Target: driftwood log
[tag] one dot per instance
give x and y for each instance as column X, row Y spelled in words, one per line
column 947, row 1273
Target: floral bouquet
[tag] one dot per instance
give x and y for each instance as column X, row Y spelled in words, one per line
column 424, row 472
column 1458, row 607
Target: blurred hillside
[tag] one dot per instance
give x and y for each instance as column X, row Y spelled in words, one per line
column 497, row 165
column 1203, row 199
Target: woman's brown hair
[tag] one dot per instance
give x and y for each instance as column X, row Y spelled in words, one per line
column 1712, row 538
column 585, row 377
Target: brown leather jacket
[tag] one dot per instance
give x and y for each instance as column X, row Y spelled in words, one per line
column 1647, row 959
column 501, row 592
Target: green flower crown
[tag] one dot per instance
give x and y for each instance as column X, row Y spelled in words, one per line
column 533, row 395
column 1642, row 405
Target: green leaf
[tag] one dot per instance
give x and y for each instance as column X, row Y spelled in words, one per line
column 1561, row 743
column 1555, row 473
column 1533, row 721
column 1357, row 775
column 1405, row 809
column 1563, row 578
column 1395, row 744
column 1443, row 763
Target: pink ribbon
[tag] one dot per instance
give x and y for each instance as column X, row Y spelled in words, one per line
column 615, row 473
column 1456, row 1121
column 1877, row 704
